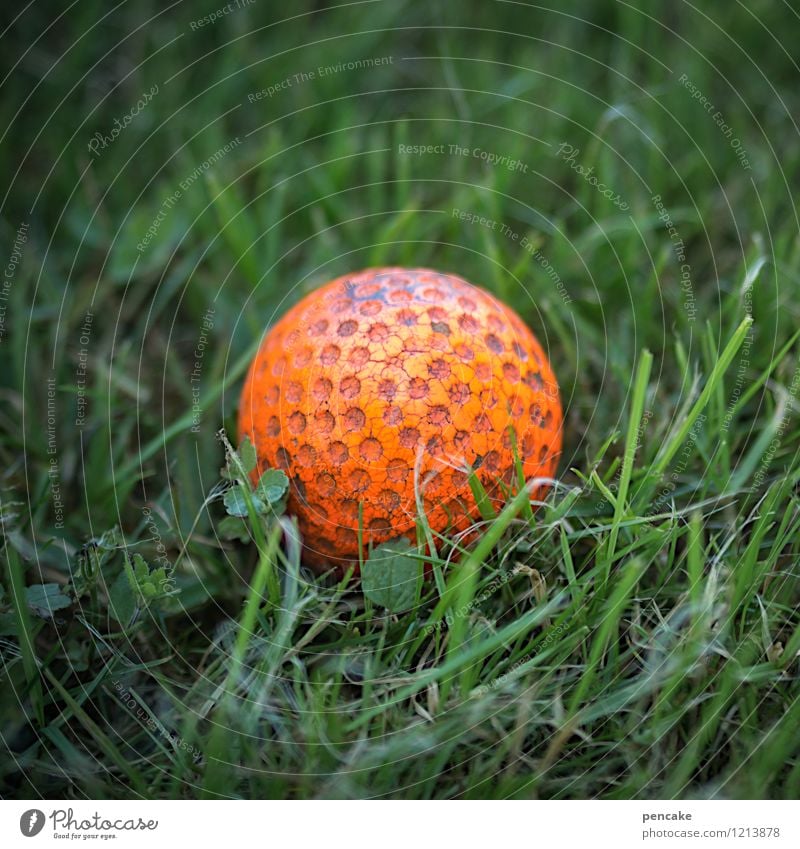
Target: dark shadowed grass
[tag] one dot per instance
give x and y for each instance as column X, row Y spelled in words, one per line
column 636, row 636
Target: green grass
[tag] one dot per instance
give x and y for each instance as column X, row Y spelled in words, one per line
column 635, row 637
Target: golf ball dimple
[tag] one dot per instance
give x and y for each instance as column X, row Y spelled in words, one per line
column 393, row 378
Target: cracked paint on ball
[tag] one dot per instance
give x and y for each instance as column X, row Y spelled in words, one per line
column 379, row 371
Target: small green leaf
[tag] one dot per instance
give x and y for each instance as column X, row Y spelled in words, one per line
column 247, row 454
column 44, row 599
column 139, row 585
column 8, row 625
column 122, row 598
column 235, row 503
column 141, row 570
column 272, row 486
column 267, row 496
column 391, row 576
column 237, row 462
column 232, row 527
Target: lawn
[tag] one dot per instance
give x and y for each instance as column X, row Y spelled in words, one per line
column 623, row 176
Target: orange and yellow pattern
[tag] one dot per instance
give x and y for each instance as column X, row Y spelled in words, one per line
column 393, row 376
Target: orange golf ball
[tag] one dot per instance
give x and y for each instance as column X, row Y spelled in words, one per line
column 391, row 378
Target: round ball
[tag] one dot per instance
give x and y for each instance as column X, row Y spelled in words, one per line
column 391, row 378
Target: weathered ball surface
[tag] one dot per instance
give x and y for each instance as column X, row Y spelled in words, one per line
column 392, row 375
